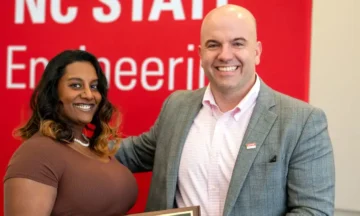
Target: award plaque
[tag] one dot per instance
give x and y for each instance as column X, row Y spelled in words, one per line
column 187, row 211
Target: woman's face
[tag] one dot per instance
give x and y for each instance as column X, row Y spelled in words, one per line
column 78, row 92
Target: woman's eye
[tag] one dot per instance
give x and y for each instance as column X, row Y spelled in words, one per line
column 75, row 85
column 94, row 86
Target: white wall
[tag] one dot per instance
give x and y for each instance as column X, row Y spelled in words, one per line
column 335, row 87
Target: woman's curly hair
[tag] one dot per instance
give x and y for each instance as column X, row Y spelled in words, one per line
column 45, row 105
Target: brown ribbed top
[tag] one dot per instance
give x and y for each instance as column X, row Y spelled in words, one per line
column 85, row 186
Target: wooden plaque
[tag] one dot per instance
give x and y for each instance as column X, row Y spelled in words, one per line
column 187, row 211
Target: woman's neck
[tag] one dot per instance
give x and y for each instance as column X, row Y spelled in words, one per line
column 78, row 131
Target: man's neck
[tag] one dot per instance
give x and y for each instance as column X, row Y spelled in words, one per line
column 230, row 99
column 227, row 101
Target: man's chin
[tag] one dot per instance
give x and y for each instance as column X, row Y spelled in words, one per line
column 225, row 87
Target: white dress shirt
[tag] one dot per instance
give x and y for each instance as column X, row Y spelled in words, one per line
column 210, row 153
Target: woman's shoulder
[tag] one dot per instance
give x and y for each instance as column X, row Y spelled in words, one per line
column 39, row 158
column 39, row 139
column 41, row 142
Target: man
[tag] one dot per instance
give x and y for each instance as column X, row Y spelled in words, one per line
column 236, row 147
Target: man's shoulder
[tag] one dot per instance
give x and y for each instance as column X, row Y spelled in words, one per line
column 283, row 104
column 289, row 103
column 186, row 95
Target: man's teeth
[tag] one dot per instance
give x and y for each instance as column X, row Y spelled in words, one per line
column 84, row 107
column 232, row 68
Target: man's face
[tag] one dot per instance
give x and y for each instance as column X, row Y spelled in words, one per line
column 229, row 52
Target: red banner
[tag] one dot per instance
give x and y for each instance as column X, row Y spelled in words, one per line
column 147, row 48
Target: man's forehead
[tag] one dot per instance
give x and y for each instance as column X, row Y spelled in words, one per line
column 230, row 21
column 229, row 12
column 227, row 32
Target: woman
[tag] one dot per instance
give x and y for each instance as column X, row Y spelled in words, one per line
column 58, row 170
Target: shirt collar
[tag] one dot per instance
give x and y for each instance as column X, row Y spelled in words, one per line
column 245, row 103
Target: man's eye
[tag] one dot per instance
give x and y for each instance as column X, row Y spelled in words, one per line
column 238, row 44
column 212, row 45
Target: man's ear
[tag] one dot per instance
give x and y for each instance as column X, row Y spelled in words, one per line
column 258, row 52
column 199, row 50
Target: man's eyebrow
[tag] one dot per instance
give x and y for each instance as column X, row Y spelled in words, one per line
column 235, row 39
column 240, row 38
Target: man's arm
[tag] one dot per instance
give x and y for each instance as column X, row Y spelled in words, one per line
column 138, row 152
column 311, row 176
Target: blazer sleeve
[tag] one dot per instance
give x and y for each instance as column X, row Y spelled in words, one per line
column 138, row 152
column 311, row 176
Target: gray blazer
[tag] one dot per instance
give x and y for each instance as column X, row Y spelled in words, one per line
column 300, row 181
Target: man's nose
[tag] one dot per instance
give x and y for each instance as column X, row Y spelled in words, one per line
column 226, row 54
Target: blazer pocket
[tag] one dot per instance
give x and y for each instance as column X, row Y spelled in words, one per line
column 270, row 174
column 268, row 160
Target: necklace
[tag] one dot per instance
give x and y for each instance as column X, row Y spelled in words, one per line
column 82, row 143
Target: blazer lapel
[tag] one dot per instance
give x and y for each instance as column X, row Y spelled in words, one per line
column 186, row 115
column 259, row 126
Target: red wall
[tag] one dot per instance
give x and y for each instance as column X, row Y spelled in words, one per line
column 151, row 42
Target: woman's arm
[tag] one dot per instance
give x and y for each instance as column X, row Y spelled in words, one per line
column 25, row 197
